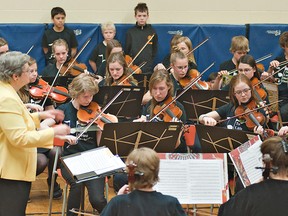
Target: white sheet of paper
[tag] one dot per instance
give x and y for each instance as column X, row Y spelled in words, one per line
column 192, row 181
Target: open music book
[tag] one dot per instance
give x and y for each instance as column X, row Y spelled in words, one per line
column 93, row 164
column 246, row 158
column 194, row 178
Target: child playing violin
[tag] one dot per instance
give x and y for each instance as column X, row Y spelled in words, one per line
column 113, row 46
column 82, row 89
column 182, row 44
column 117, row 72
column 60, row 51
column 241, row 95
column 98, row 55
column 162, row 90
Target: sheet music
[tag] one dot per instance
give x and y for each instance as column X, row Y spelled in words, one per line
column 99, row 160
column 245, row 158
column 250, row 159
column 192, row 181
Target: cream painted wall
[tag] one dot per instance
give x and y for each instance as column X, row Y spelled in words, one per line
column 161, row 11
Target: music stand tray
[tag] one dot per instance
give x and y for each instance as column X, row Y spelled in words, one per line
column 92, row 164
column 197, row 102
column 128, row 104
column 221, row 140
column 122, row 138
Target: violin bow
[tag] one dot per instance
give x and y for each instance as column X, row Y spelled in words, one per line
column 51, row 87
column 141, row 50
column 184, row 90
column 249, row 111
column 100, row 113
column 30, row 49
column 139, row 67
column 257, row 61
column 196, row 47
column 271, row 75
column 78, row 54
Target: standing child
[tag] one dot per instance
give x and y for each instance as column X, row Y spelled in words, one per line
column 137, row 37
column 99, row 53
column 59, row 30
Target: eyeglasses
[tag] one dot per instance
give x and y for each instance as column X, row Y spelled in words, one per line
column 245, row 91
column 245, row 70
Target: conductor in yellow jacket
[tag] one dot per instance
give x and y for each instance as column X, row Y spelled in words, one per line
column 19, row 136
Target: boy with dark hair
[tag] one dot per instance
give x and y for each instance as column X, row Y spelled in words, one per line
column 58, row 31
column 137, row 37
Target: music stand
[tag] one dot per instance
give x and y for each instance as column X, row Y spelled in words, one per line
column 221, row 140
column 122, row 138
column 60, row 81
column 197, row 102
column 128, row 104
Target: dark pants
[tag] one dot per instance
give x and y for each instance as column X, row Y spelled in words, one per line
column 95, row 190
column 13, row 197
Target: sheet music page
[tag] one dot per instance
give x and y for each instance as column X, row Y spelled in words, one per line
column 250, row 159
column 192, row 181
column 77, row 165
column 245, row 158
column 99, row 160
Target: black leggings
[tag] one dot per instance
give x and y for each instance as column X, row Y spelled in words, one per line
column 13, row 197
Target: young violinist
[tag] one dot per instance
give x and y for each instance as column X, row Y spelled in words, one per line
column 113, row 46
column 59, row 30
column 268, row 197
column 60, row 52
column 162, row 90
column 142, row 199
column 241, row 96
column 138, row 35
column 44, row 156
column 280, row 78
column 82, row 89
column 117, row 72
column 98, row 55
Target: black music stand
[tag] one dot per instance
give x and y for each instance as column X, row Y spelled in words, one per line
column 122, row 138
column 128, row 104
column 60, row 81
column 221, row 140
column 197, row 102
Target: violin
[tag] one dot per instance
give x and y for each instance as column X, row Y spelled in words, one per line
column 123, row 81
column 73, row 68
column 87, row 113
column 171, row 112
column 192, row 74
column 129, row 62
column 58, row 94
column 252, row 118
